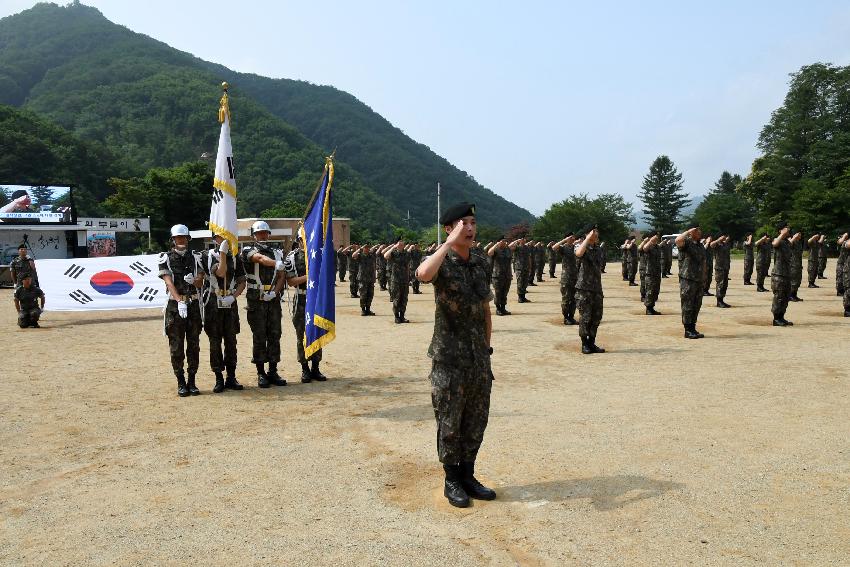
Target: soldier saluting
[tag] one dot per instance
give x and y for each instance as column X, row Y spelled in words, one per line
column 781, row 280
column 589, row 290
column 461, row 377
column 692, row 266
column 183, row 275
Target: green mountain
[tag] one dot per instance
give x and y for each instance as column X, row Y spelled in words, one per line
column 154, row 106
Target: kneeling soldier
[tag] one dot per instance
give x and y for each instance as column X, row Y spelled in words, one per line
column 29, row 301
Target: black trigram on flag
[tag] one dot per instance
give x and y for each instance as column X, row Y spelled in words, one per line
column 148, row 294
column 218, row 195
column 140, row 268
column 74, row 271
column 80, row 297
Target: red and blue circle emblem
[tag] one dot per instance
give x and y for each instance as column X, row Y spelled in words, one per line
column 111, row 282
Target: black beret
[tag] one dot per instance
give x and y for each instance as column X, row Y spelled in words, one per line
column 456, row 212
column 22, row 245
column 588, row 228
column 24, row 276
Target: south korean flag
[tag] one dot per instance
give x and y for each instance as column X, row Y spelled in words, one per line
column 93, row 284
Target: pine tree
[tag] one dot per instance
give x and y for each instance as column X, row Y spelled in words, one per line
column 662, row 195
column 727, row 183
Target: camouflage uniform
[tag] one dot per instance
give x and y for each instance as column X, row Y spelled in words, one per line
column 823, row 253
column 796, row 266
column 709, row 269
column 642, row 273
column 539, row 261
column 296, row 266
column 28, row 300
column 667, row 257
column 353, row 272
column 762, row 263
column 399, row 267
column 366, row 278
column 603, row 256
column 633, row 262
column 221, row 323
column 553, row 257
column 589, row 293
column 264, row 317
column 654, row 266
column 691, row 279
column 569, row 276
column 341, row 264
column 521, row 256
column 183, row 333
column 781, row 278
column 846, row 282
column 722, row 265
column 840, row 264
column 748, row 263
column 381, row 268
column 415, row 260
column 461, row 377
column 813, row 262
column 624, row 261
column 502, row 275
column 20, row 266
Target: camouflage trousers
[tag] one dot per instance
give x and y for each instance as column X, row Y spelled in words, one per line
column 748, row 269
column 821, row 264
column 221, row 325
column 721, row 279
column 668, row 265
column 184, row 336
column 299, row 324
column 781, row 288
column 839, row 278
column 625, row 268
column 796, row 280
column 461, row 400
column 414, row 283
column 353, row 283
column 383, row 278
column 501, row 287
column 633, row 269
column 398, row 295
column 28, row 317
column 653, row 288
column 264, row 320
column 367, row 293
column 538, row 268
column 568, row 298
column 642, row 276
column 690, row 293
column 707, row 278
column 846, row 282
column 812, row 269
column 521, row 281
column 552, row 265
column 761, row 274
column 589, row 305
column 342, row 269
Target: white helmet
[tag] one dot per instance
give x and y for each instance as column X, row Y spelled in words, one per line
column 180, row 230
column 259, row 226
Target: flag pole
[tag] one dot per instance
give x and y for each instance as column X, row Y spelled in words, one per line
column 439, row 236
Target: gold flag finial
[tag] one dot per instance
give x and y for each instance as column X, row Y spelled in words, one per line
column 224, row 104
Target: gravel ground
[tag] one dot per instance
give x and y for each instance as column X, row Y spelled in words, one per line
column 728, row 450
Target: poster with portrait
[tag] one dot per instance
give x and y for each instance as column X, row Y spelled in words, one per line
column 100, row 243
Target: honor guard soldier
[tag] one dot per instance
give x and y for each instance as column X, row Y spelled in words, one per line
column 722, row 250
column 691, row 278
column 296, row 277
column 501, row 254
column 781, row 278
column 398, row 265
column 263, row 264
column 569, row 275
column 461, row 376
column 22, row 264
column 29, row 301
column 763, row 252
column 654, row 268
column 225, row 282
column 589, row 296
column 366, row 257
column 183, row 274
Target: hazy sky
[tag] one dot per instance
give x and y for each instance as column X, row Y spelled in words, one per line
column 536, row 100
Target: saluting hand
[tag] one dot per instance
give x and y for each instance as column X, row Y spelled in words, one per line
column 456, row 234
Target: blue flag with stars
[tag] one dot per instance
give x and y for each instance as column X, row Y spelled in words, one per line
column 318, row 240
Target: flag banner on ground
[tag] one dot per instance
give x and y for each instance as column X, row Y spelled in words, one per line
column 317, row 235
column 223, row 209
column 96, row 284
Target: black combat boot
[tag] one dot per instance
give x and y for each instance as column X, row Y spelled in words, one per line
column 473, row 488
column 499, row 309
column 316, row 373
column 182, row 390
column 273, row 377
column 262, row 377
column 794, row 298
column 521, row 298
column 707, row 293
column 632, row 284
column 230, row 383
column 650, row 310
column 748, row 282
column 401, row 318
column 363, row 312
column 453, row 490
column 692, row 333
column 306, row 377
column 191, row 385
column 585, row 345
column 847, row 312
column 596, row 349
column 505, row 309
column 722, row 304
column 778, row 321
column 761, row 288
column 813, row 285
column 219, row 382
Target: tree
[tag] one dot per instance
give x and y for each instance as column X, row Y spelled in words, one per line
column 662, row 195
column 726, row 210
column 611, row 213
column 178, row 195
column 288, row 209
column 727, row 183
column 41, row 195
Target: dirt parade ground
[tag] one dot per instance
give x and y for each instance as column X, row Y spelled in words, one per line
column 730, row 450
